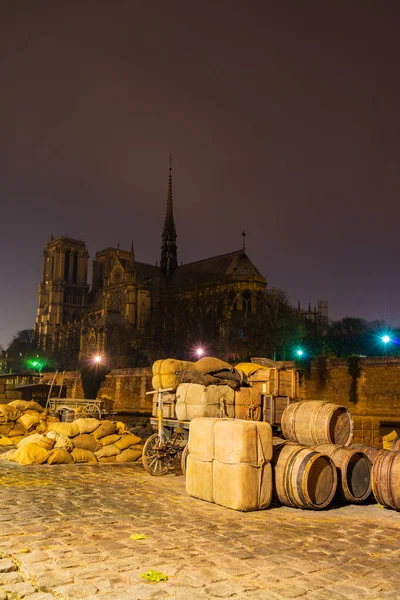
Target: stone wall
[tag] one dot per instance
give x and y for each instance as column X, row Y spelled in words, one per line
column 126, row 387
column 377, row 390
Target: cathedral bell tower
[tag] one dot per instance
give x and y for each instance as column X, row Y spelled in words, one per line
column 62, row 292
column 169, row 255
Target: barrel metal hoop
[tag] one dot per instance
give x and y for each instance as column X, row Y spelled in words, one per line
column 288, row 477
column 299, row 480
column 313, row 423
column 292, row 432
column 392, row 456
column 378, row 465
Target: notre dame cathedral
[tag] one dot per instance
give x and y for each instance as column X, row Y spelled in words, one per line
column 76, row 319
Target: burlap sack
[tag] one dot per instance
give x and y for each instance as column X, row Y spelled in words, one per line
column 17, row 430
column 107, row 459
column 248, row 368
column 66, row 429
column 211, row 365
column 109, row 439
column 32, row 405
column 110, row 450
column 121, row 428
column 20, row 405
column 16, row 440
column 6, row 428
column 127, row 441
column 59, row 456
column 45, row 442
column 129, row 455
column 86, row 442
column 6, row 441
column 83, row 456
column 31, row 454
column 29, row 420
column 87, row 425
column 106, row 428
column 61, row 441
column 8, row 413
column 33, row 438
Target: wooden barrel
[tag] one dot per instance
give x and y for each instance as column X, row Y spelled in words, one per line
column 386, row 479
column 395, row 447
column 313, row 422
column 371, row 451
column 303, row 478
column 354, row 469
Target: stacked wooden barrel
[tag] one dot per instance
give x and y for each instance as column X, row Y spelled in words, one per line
column 303, row 478
column 386, row 479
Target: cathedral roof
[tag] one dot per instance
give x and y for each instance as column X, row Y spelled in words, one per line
column 234, row 266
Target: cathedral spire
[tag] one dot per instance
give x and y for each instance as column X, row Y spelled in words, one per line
column 169, row 257
column 132, row 262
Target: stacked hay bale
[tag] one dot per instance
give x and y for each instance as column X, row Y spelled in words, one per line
column 205, row 388
column 82, row 441
column 230, row 463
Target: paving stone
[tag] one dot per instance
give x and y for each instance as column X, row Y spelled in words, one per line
column 289, row 590
column 7, row 565
column 21, row 589
column 10, row 577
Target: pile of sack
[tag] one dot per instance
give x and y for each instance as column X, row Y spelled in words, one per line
column 209, row 387
column 43, row 439
column 19, row 418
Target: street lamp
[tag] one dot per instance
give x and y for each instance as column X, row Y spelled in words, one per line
column 299, row 352
column 386, row 339
column 200, row 352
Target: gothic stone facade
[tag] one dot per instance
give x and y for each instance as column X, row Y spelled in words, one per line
column 124, row 292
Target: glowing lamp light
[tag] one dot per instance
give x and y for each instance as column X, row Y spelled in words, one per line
column 97, row 359
column 386, row 339
column 300, row 352
column 199, row 352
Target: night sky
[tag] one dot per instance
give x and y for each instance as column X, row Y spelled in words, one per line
column 282, row 119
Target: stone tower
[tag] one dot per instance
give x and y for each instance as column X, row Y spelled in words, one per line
column 169, row 255
column 62, row 294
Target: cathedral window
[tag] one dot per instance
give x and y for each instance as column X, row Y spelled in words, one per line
column 75, row 268
column 246, row 302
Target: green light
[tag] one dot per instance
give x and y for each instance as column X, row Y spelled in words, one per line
column 299, row 352
column 386, row 339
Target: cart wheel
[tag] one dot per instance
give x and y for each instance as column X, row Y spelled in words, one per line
column 92, row 410
column 155, row 458
column 185, row 454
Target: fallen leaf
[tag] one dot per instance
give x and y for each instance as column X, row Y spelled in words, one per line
column 138, row 536
column 154, row 576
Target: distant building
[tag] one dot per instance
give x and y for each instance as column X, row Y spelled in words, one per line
column 73, row 318
column 318, row 315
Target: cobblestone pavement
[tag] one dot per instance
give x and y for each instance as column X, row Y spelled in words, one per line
column 65, row 533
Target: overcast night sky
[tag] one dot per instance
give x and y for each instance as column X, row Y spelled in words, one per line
column 282, row 119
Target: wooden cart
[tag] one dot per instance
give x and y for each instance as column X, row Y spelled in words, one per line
column 169, row 444
column 98, row 408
